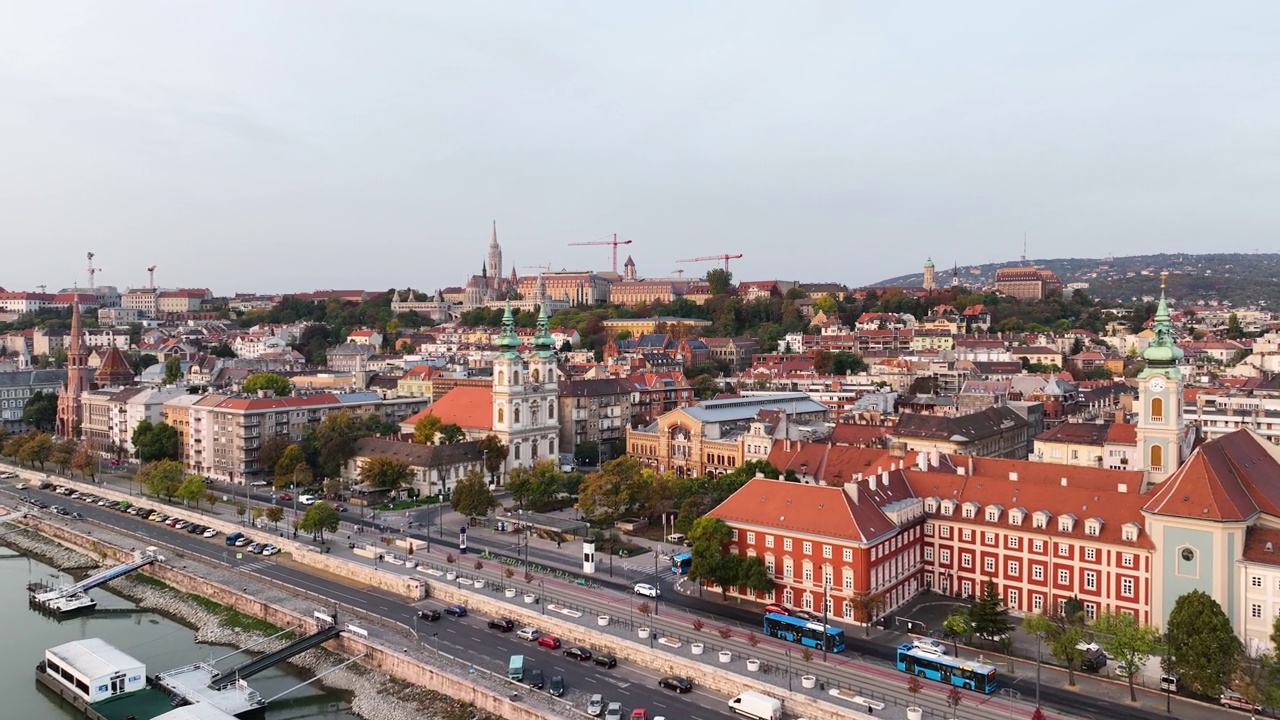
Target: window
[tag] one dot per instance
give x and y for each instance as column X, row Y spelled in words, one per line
column 1157, row 457
column 1037, row 572
column 928, row 529
column 788, row 568
column 1126, row 587
column 989, row 538
column 966, row 534
column 966, row 560
column 848, row 579
column 1126, row 559
column 751, row 538
column 1255, row 610
column 944, row 556
column 1090, row 580
column 928, row 553
column 1013, row 598
column 989, row 565
column 1013, row 542
column 1092, row 528
column 1064, row 577
column 1013, row 568
column 808, row 547
column 1091, row 611
column 969, row 512
column 944, row 532
column 786, row 544
column 848, row 554
column 768, row 541
column 1256, row 581
column 993, row 514
column 1091, row 554
column 733, row 534
column 1037, row 602
column 1064, row 550
column 1037, row 546
column 808, row 573
column 826, row 551
column 1157, row 409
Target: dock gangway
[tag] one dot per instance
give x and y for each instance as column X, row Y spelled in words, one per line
column 244, row 671
column 95, row 580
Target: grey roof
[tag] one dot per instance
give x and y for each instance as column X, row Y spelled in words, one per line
column 94, row 657
column 358, row 398
column 595, row 388
column 421, row 455
column 965, row 428
column 653, row 340
column 745, row 408
column 33, row 378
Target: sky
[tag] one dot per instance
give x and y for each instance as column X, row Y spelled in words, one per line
column 259, row 146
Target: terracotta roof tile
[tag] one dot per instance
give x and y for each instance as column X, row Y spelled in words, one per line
column 470, row 408
column 1261, row 545
column 1230, row 478
column 810, row 509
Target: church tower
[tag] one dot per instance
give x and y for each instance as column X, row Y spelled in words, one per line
column 69, row 407
column 495, row 257
column 629, row 270
column 930, row 281
column 1160, row 429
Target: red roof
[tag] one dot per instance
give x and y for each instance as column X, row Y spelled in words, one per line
column 1230, row 478
column 846, row 434
column 1122, row 434
column 831, row 464
column 818, row 510
column 470, row 408
column 277, row 403
column 1261, row 545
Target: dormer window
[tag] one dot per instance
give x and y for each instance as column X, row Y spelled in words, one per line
column 931, row 504
column 1015, row 516
column 970, row 510
column 1093, row 527
column 948, row 507
column 1040, row 520
column 993, row 513
column 1066, row 523
column 1129, row 532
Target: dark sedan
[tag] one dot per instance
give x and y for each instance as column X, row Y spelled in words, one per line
column 578, row 653
column 502, row 624
column 679, row 684
column 534, row 678
column 605, row 660
column 455, row 610
column 429, row 615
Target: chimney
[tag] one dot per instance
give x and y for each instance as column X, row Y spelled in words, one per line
column 971, row 465
column 934, row 457
column 1122, row 487
column 1120, row 415
column 1064, row 482
column 922, row 461
column 852, row 490
column 960, row 470
column 787, row 445
column 1013, row 476
column 885, row 478
column 871, row 482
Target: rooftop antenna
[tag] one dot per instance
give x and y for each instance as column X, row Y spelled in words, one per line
column 92, row 270
column 151, row 276
column 1024, row 246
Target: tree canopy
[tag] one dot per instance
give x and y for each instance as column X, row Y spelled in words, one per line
column 41, row 410
column 1129, row 642
column 385, row 473
column 162, row 478
column 156, row 442
column 1064, row 632
column 471, row 495
column 279, row 385
column 172, row 370
column 319, row 518
column 617, row 491
column 289, row 460
column 1203, row 647
column 426, row 429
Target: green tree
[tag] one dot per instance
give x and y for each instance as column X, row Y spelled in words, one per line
column 279, row 385
column 534, row 487
column 156, row 442
column 172, row 370
column 617, row 491
column 162, row 478
column 426, row 429
column 1203, row 648
column 451, row 434
column 845, row 362
column 222, row 350
column 333, row 443
column 827, row 304
column 471, row 495
column 41, row 411
column 709, row 564
column 1234, row 330
column 587, row 453
column 1129, row 642
column 192, row 490
column 385, row 473
column 11, row 447
column 721, row 281
column 289, row 461
column 989, row 615
column 37, row 448
column 959, row 625
column 1065, row 633
column 495, row 456
column 318, row 518
column 273, row 448
column 302, row 475
column 61, row 454
column 866, row 606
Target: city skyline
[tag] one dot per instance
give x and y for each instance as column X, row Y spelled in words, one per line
column 246, row 148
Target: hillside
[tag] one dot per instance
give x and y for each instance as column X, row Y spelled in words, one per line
column 1237, row 279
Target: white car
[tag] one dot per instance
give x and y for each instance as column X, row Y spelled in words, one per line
column 210, row 533
column 307, row 499
column 595, row 705
column 930, row 645
column 646, row 589
column 270, row 550
column 8, row 475
column 259, row 483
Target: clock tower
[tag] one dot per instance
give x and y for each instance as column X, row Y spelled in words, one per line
column 1160, row 429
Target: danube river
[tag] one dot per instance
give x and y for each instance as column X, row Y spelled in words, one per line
column 153, row 639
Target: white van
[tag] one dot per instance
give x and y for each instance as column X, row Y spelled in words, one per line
column 757, row 705
column 307, row 499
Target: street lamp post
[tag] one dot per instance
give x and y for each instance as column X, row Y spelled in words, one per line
column 825, row 589
column 1039, row 641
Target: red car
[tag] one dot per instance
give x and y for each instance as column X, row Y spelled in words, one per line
column 549, row 641
column 777, row 609
column 639, row 714
column 285, row 497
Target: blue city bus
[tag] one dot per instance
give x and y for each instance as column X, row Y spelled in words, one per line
column 796, row 629
column 681, row 563
column 976, row 676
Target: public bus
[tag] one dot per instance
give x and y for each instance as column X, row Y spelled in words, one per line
column 805, row 632
column 681, row 563
column 948, row 669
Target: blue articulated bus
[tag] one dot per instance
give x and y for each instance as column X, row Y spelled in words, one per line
column 681, row 563
column 805, row 632
column 924, row 663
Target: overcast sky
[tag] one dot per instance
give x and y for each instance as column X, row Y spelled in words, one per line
column 258, row 145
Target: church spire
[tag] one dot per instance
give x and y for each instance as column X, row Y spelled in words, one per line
column 508, row 342
column 1162, row 352
column 543, row 343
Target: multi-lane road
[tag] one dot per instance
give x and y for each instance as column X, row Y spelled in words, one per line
column 466, row 638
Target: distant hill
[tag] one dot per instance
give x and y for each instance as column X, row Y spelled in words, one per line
column 1237, row 279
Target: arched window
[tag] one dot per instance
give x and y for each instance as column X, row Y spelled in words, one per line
column 551, row 411
column 551, row 447
column 515, row 451
column 1157, row 457
column 515, row 413
column 533, row 412
column 502, row 377
column 515, row 377
column 502, row 414
column 1157, row 408
column 535, row 375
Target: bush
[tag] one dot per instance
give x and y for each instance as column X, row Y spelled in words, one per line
column 509, row 573
column 698, row 624
column 724, row 632
column 450, row 559
column 528, row 577
column 752, row 640
column 479, row 565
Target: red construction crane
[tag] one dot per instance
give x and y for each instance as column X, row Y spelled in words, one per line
column 615, row 242
column 726, row 258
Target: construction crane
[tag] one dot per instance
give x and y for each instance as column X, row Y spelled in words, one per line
column 543, row 268
column 678, row 272
column 92, row 270
column 151, row 277
column 615, row 242
column 708, row 258
column 41, row 288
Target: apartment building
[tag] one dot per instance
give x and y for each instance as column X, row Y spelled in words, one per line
column 597, row 411
column 16, row 390
column 1221, row 413
column 436, row 469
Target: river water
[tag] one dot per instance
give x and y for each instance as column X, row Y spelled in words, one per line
column 155, row 640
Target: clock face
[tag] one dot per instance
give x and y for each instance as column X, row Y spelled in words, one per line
column 1156, row 383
